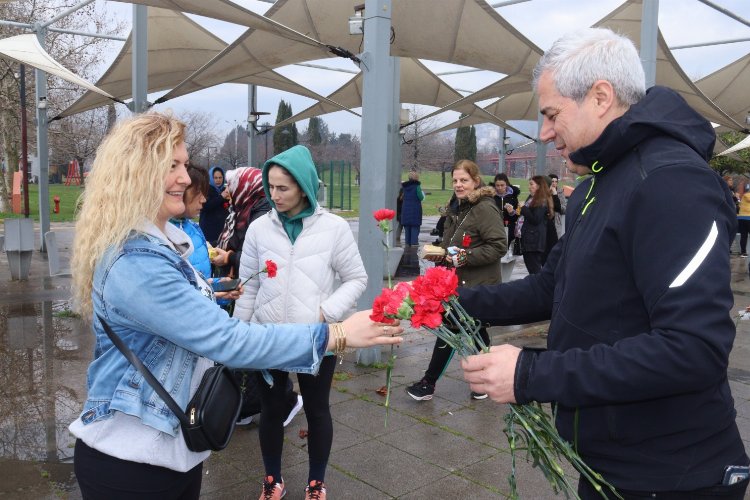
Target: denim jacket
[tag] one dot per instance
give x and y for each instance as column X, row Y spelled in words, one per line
column 148, row 294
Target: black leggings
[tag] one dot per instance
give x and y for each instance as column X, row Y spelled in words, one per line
column 103, row 476
column 315, row 390
column 743, row 227
column 442, row 355
column 534, row 261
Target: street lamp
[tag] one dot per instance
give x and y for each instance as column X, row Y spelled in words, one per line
column 208, row 158
column 252, row 120
column 264, row 128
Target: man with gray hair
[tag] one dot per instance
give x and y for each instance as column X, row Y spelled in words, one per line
column 637, row 290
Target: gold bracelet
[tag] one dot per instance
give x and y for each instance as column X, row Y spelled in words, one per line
column 339, row 335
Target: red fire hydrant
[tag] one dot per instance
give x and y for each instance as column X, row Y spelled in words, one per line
column 56, row 199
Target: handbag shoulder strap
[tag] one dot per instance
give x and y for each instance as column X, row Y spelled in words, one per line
column 135, row 361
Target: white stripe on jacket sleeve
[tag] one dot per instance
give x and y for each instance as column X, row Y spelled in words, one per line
column 698, row 258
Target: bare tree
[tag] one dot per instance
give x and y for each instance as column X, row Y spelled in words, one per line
column 420, row 151
column 201, row 139
column 77, row 137
column 233, row 151
column 82, row 55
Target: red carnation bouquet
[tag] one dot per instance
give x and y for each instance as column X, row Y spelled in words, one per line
column 427, row 302
column 431, row 302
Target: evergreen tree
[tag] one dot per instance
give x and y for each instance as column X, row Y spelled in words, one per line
column 314, row 134
column 466, row 143
column 284, row 137
column 472, row 144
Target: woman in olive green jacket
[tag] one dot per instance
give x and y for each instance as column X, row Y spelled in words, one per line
column 475, row 240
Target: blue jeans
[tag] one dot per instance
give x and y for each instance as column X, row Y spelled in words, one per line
column 411, row 235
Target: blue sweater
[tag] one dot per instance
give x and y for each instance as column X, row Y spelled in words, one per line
column 199, row 258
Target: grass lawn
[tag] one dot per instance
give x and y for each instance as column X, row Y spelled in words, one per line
column 435, row 196
column 68, row 197
column 432, row 185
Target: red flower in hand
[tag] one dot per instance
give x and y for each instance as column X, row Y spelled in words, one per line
column 438, row 283
column 466, row 241
column 271, row 268
column 430, row 319
column 384, row 214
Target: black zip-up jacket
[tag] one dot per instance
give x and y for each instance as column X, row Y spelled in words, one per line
column 638, row 293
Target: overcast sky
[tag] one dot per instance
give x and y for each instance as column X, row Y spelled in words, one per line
column 542, row 21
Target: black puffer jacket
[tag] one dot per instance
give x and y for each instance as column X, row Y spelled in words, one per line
column 638, row 291
column 509, row 220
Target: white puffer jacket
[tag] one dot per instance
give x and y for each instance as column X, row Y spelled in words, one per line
column 304, row 284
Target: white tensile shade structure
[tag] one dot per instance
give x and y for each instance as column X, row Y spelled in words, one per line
column 25, row 49
column 177, row 46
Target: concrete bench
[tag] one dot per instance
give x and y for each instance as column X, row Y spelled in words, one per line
column 53, row 255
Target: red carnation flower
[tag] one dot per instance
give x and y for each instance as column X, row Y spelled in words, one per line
column 466, row 241
column 271, row 268
column 384, row 214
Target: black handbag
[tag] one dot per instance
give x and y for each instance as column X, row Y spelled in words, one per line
column 208, row 421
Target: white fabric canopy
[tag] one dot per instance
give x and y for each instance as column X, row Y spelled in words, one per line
column 729, row 88
column 177, row 46
column 418, row 85
column 744, row 143
column 626, row 19
column 226, row 10
column 464, row 32
column 25, row 49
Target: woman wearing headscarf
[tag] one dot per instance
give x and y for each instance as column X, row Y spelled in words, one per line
column 215, row 209
column 249, row 202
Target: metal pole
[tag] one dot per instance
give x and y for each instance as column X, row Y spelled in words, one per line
column 252, row 105
column 649, row 35
column 708, row 44
column 140, row 59
column 236, row 133
column 501, row 157
column 725, row 12
column 42, row 146
column 377, row 115
column 65, row 13
column 24, row 141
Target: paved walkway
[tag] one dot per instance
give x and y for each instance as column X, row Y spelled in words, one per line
column 450, row 447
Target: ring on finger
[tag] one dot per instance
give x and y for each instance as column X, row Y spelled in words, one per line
column 386, row 329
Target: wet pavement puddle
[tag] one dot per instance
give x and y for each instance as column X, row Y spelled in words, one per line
column 44, row 351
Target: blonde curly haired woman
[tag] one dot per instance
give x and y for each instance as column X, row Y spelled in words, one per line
column 130, row 268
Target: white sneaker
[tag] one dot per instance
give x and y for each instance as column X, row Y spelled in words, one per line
column 245, row 421
column 294, row 411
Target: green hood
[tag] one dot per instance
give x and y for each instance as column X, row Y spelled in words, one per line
column 299, row 163
column 297, row 160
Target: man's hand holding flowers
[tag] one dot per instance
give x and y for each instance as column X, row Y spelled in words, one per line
column 493, row 373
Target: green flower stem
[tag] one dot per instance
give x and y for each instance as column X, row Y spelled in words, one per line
column 528, row 427
column 388, row 376
column 386, row 228
column 544, row 444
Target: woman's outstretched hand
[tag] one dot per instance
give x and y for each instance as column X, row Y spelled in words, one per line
column 361, row 331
